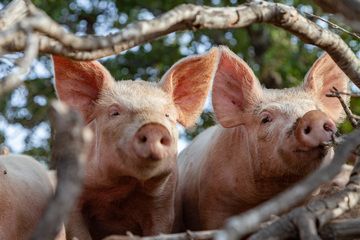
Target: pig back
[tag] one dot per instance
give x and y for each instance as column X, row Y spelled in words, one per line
column 25, row 189
column 191, row 163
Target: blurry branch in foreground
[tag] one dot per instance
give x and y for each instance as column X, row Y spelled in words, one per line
column 69, row 151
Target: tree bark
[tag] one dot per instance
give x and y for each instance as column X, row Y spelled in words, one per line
column 54, row 39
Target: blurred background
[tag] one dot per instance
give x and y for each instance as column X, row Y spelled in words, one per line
column 278, row 58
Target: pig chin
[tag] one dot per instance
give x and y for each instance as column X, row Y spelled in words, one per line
column 143, row 168
column 302, row 161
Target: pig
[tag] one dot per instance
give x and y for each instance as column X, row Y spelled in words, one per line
column 25, row 190
column 266, row 140
column 131, row 171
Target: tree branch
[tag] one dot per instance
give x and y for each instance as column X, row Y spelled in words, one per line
column 317, row 213
column 69, row 152
column 348, row 9
column 341, row 229
column 189, row 235
column 12, row 13
column 245, row 223
column 55, row 40
column 13, row 80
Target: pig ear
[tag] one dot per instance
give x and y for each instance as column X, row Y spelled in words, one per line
column 235, row 89
column 78, row 83
column 321, row 78
column 188, row 82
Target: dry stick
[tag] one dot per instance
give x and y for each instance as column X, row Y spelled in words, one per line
column 354, row 120
column 245, row 223
column 12, row 13
column 349, row 10
column 69, row 151
column 341, row 229
column 189, row 235
column 334, row 26
column 318, row 212
column 13, row 80
column 183, row 17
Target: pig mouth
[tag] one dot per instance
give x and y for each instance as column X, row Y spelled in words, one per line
column 318, row 152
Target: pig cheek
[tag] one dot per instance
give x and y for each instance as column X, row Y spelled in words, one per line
column 115, row 151
column 268, row 138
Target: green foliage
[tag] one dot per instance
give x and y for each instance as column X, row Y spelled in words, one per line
column 278, row 58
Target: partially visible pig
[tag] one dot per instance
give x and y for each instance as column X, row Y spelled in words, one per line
column 24, row 192
column 131, row 168
column 266, row 140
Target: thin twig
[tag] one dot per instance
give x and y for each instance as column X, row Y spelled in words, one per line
column 354, row 120
column 334, row 26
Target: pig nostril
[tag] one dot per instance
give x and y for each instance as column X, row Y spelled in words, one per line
column 327, row 127
column 307, row 130
column 165, row 141
column 143, row 139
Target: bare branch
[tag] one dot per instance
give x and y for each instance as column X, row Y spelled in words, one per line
column 183, row 17
column 12, row 13
column 354, row 120
column 13, row 80
column 334, row 26
column 341, row 229
column 348, row 9
column 189, row 235
column 69, row 152
column 317, row 213
column 245, row 223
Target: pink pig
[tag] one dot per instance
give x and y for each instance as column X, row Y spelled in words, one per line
column 25, row 190
column 265, row 141
column 131, row 169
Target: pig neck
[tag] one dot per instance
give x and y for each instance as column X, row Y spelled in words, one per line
column 253, row 177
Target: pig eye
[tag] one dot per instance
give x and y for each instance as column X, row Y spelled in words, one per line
column 167, row 115
column 266, row 118
column 114, row 111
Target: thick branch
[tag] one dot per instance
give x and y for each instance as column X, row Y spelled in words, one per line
column 12, row 13
column 341, row 229
column 69, row 150
column 183, row 17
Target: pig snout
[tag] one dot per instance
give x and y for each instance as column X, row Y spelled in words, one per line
column 314, row 128
column 153, row 141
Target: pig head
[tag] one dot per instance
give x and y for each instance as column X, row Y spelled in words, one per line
column 131, row 168
column 266, row 140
